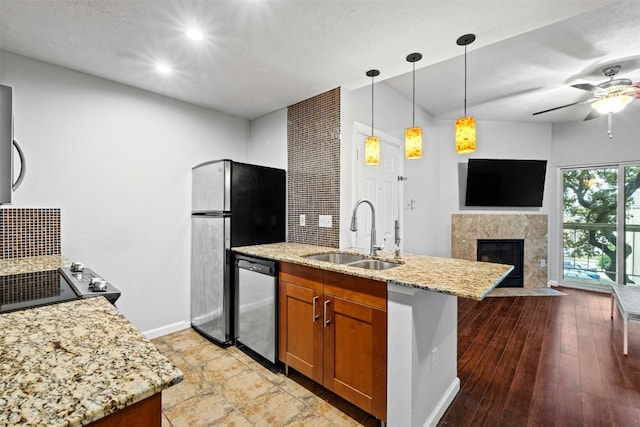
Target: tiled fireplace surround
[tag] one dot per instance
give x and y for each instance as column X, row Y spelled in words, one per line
column 466, row 229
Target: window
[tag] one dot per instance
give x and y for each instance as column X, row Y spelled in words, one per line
column 601, row 225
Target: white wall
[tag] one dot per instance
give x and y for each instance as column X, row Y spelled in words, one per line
column 581, row 143
column 587, row 143
column 117, row 161
column 503, row 140
column 421, row 355
column 392, row 116
column 433, row 180
column 268, row 140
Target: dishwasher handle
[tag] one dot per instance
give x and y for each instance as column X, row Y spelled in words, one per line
column 256, row 267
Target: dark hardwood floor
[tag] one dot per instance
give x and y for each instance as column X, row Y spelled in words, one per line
column 545, row 361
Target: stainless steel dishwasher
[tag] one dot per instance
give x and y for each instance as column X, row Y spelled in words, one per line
column 256, row 306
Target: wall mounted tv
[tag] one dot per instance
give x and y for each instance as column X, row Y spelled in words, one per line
column 506, row 183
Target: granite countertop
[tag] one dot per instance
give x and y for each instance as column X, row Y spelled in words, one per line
column 462, row 278
column 73, row 363
column 32, row 264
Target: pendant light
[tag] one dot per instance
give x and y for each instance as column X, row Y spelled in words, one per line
column 372, row 143
column 413, row 135
column 465, row 126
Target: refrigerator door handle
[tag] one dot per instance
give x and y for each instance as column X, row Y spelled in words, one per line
column 23, row 166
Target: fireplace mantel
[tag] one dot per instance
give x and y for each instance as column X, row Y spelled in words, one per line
column 466, row 229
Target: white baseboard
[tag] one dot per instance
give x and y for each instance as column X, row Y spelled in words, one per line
column 604, row 289
column 443, row 404
column 168, row 329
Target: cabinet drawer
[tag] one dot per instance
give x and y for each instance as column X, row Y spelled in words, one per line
column 302, row 275
column 358, row 289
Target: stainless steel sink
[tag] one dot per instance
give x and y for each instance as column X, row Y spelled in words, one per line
column 353, row 261
column 374, row 264
column 336, row 258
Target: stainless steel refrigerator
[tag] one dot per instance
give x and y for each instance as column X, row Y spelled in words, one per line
column 7, row 145
column 233, row 204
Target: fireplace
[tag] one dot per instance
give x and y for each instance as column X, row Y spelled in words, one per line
column 504, row 251
column 467, row 229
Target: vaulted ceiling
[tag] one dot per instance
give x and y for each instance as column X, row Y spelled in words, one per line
column 258, row 56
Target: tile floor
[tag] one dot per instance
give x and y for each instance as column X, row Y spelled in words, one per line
column 226, row 387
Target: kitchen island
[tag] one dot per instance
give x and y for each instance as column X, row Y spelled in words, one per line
column 421, row 320
column 457, row 277
column 77, row 363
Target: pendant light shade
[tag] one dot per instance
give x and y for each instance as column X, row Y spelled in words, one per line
column 465, row 126
column 465, row 135
column 413, row 135
column 372, row 143
column 372, row 150
column 413, row 143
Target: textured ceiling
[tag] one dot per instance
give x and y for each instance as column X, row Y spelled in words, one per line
column 260, row 55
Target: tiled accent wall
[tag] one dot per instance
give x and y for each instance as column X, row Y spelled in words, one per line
column 29, row 232
column 313, row 147
column 466, row 229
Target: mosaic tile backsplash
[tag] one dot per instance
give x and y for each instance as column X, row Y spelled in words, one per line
column 313, row 175
column 29, row 232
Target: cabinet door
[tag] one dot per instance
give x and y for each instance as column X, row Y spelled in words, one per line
column 355, row 353
column 300, row 334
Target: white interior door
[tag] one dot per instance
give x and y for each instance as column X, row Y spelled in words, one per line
column 380, row 185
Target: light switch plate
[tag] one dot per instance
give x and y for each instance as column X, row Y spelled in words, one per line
column 303, row 220
column 325, row 221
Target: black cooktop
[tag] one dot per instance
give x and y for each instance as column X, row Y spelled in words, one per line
column 27, row 290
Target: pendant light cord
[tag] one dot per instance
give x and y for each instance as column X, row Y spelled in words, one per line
column 413, row 120
column 465, row 80
column 373, row 74
column 465, row 40
column 372, row 105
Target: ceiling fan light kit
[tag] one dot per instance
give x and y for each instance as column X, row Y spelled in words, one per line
column 413, row 135
column 611, row 104
column 372, row 143
column 609, row 97
column 465, row 126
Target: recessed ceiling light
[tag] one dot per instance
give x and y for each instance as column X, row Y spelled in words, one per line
column 194, row 34
column 163, row 69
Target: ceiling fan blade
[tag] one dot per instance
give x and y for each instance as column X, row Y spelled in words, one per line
column 592, row 115
column 557, row 108
column 633, row 90
column 586, row 86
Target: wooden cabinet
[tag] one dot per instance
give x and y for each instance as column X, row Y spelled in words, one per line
column 333, row 329
column 300, row 319
column 146, row 413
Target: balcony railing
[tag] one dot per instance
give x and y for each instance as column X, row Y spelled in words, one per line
column 585, row 268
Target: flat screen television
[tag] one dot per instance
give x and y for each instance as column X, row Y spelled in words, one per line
column 506, row 183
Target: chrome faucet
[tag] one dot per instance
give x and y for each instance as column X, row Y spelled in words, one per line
column 373, row 249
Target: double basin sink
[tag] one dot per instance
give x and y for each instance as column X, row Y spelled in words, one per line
column 352, row 260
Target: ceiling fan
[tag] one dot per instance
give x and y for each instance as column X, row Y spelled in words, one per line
column 608, row 97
